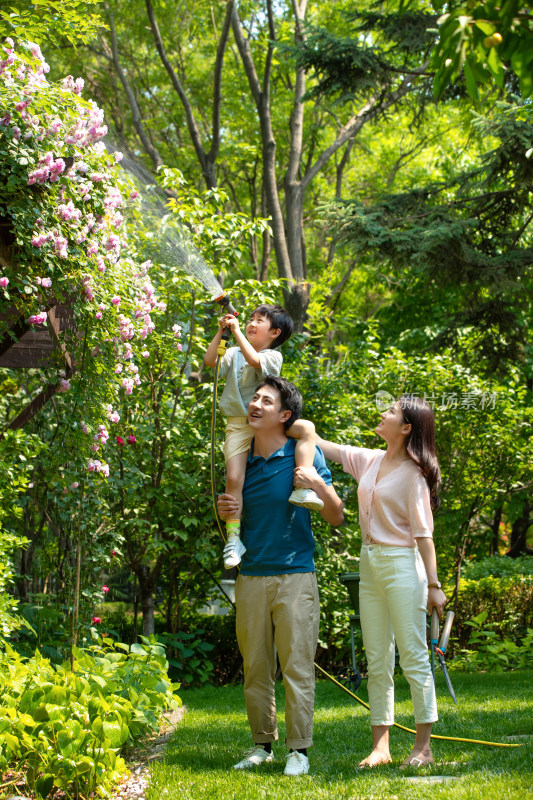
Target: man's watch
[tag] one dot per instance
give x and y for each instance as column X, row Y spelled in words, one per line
column 435, row 585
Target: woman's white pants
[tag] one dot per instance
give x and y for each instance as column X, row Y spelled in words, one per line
column 393, row 600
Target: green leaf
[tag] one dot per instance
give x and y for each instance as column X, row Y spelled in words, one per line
column 471, row 85
column 11, row 741
column 44, row 785
column 486, row 27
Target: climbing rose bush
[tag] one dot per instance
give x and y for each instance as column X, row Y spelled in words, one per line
column 63, row 197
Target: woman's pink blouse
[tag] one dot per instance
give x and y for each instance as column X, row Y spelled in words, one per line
column 394, row 511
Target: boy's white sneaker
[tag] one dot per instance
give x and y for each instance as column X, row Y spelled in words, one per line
column 297, row 764
column 306, row 498
column 253, row 757
column 233, row 552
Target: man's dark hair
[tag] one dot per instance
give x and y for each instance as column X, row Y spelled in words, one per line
column 279, row 318
column 290, row 397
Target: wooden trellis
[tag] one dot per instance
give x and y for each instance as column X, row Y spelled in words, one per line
column 24, row 346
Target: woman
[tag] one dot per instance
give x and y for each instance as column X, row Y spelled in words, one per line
column 398, row 488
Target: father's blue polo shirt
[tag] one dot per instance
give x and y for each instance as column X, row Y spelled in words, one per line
column 277, row 534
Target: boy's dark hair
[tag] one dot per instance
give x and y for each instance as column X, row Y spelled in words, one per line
column 279, row 318
column 290, row 397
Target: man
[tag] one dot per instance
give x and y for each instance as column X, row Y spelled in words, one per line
column 276, row 591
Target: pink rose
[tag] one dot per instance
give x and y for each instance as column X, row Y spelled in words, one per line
column 37, row 319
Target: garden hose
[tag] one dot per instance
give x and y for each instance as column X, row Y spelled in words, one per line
column 224, row 301
column 220, row 352
column 222, row 347
column 410, row 730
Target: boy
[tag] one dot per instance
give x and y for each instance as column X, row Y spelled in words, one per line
column 245, row 366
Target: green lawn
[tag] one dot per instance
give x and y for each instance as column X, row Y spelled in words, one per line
column 214, row 733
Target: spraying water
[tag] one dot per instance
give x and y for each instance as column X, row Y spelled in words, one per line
column 169, row 242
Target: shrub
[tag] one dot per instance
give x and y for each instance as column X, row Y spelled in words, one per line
column 205, row 649
column 219, row 631
column 507, row 601
column 497, row 567
column 187, row 656
column 487, row 652
column 494, row 615
column 66, row 724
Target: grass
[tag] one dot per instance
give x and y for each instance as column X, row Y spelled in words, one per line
column 214, row 733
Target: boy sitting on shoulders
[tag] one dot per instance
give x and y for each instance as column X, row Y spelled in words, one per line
column 244, row 367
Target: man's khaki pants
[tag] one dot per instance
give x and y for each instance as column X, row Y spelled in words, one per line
column 279, row 614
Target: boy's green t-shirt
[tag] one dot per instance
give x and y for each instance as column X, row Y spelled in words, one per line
column 242, row 379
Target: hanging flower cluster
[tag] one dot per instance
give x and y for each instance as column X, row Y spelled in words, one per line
column 63, row 193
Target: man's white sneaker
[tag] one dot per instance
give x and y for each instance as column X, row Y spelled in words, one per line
column 253, row 757
column 306, row 498
column 297, row 764
column 233, row 552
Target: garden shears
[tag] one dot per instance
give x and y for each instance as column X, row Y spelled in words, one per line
column 439, row 647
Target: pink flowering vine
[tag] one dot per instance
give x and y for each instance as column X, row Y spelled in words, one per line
column 72, row 237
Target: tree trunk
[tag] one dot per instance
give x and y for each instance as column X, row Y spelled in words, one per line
column 135, row 609
column 296, row 302
column 170, row 597
column 520, row 527
column 146, row 587
column 495, row 527
column 136, row 115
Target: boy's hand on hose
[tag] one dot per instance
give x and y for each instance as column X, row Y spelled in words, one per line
column 229, row 321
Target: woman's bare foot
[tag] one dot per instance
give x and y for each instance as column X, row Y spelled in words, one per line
column 417, row 759
column 421, row 753
column 375, row 759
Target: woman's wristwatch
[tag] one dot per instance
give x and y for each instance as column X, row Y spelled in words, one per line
column 436, row 585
